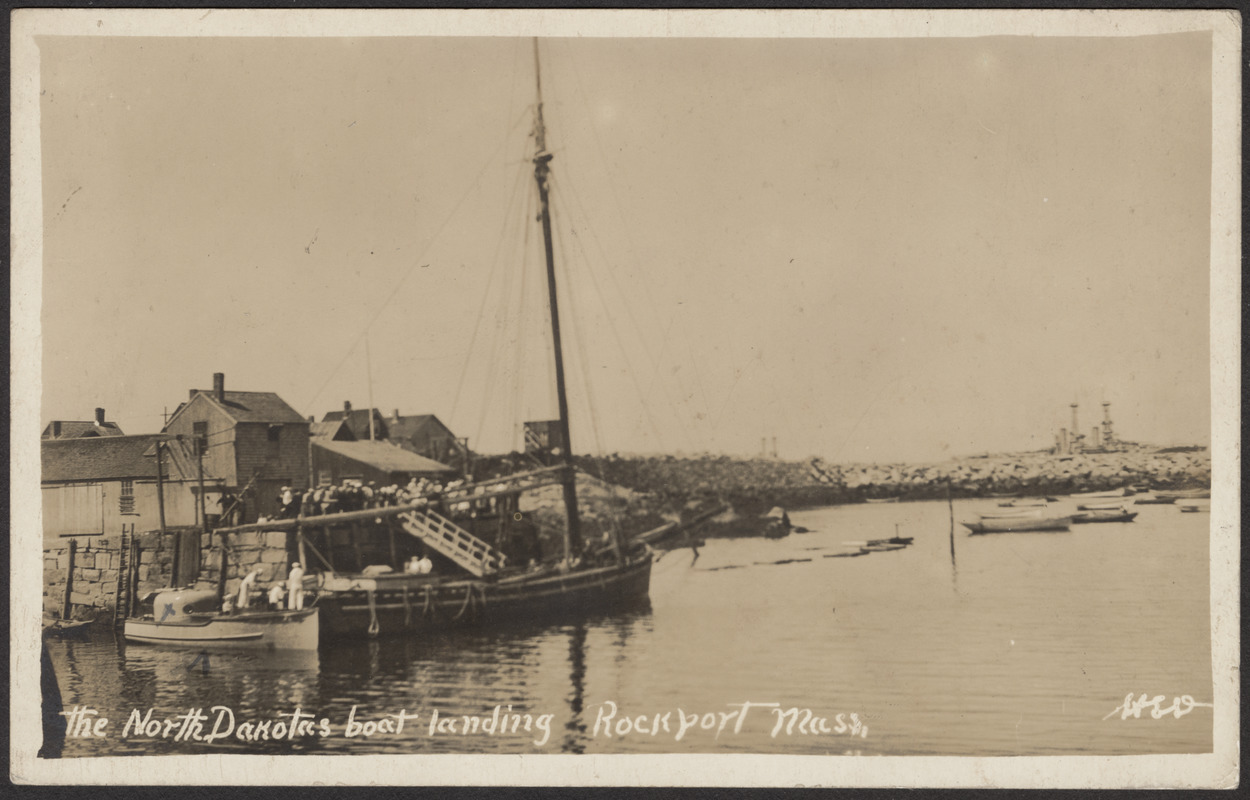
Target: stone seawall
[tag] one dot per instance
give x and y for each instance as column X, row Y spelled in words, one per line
column 100, row 576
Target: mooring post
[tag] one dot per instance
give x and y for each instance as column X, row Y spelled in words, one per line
column 69, row 580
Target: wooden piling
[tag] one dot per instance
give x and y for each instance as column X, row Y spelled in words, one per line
column 69, row 580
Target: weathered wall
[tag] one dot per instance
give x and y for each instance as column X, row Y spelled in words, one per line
column 272, row 551
column 97, row 578
column 66, row 507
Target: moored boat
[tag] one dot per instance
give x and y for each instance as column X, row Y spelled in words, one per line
column 1193, row 508
column 1186, row 494
column 1019, row 513
column 1019, row 524
column 1027, row 502
column 1126, row 491
column 880, row 499
column 1105, row 515
column 189, row 618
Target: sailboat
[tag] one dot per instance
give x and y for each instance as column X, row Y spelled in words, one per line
column 475, row 529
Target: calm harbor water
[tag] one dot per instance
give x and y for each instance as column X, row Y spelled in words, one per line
column 1022, row 646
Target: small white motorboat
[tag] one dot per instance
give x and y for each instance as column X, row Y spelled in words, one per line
column 189, row 617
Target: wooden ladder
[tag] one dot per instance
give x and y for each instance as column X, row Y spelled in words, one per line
column 455, row 542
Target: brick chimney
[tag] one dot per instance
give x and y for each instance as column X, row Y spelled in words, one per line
column 56, row 427
column 99, row 417
column 219, row 386
column 395, row 417
column 347, row 408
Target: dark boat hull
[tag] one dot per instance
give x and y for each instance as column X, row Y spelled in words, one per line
column 399, row 604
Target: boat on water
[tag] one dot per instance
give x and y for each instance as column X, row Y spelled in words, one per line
column 880, row 499
column 1018, row 524
column 1018, row 513
column 1031, row 502
column 192, row 618
column 1186, row 494
column 1154, row 500
column 1193, row 508
column 491, row 564
column 1104, row 515
column 1126, row 491
column 1099, row 507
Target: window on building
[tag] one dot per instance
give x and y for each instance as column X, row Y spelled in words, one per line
column 200, row 431
column 275, row 432
column 126, row 500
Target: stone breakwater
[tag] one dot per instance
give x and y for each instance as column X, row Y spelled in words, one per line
column 645, row 491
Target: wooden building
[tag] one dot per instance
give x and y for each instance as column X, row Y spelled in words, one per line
column 337, row 456
column 92, row 486
column 425, row 435
column 253, row 441
column 358, row 421
column 78, row 429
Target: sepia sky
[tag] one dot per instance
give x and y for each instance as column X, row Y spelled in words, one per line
column 870, row 249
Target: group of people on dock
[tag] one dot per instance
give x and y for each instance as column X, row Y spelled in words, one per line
column 355, row 495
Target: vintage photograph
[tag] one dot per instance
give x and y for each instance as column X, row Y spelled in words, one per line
column 712, row 385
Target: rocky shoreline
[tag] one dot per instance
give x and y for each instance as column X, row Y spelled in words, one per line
column 644, row 491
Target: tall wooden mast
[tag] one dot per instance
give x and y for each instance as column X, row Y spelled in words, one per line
column 573, row 538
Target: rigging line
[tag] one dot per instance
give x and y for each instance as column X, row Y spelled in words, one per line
column 629, row 240
column 517, row 436
column 594, row 129
column 477, row 325
column 864, row 413
column 510, row 363
column 416, row 262
column 579, row 343
column 495, row 373
column 698, row 376
column 497, row 366
column 557, row 196
column 620, row 343
column 655, row 362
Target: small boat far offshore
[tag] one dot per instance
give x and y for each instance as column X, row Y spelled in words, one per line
column 880, row 499
column 1105, row 515
column 1020, row 524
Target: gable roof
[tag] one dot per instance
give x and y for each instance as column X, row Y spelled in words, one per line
column 337, row 430
column 98, row 458
column 248, row 407
column 180, row 461
column 73, row 429
column 383, row 456
column 406, row 427
column 358, row 421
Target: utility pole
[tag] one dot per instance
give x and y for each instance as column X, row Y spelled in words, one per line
column 160, row 506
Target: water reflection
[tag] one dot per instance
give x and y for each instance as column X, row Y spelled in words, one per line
column 1043, row 636
column 576, row 727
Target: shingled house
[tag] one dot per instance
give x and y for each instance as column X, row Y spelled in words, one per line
column 94, row 485
column 357, row 420
column 338, row 456
column 253, row 441
column 77, row 429
column 426, row 435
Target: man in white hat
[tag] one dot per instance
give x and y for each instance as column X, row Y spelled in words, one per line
column 245, row 588
column 295, row 582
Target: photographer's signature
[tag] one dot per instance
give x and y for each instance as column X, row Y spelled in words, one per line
column 1134, row 707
